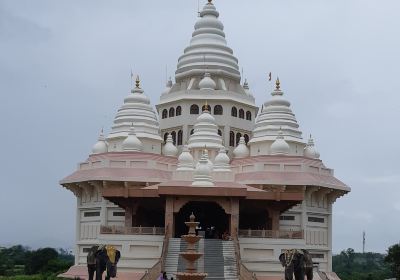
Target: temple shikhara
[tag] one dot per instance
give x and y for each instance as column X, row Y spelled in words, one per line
column 256, row 185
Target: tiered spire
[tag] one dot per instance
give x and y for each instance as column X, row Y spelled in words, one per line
column 208, row 50
column 136, row 109
column 276, row 115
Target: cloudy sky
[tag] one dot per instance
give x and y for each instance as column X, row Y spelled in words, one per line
column 65, row 69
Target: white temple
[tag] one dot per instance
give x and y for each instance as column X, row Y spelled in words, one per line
column 201, row 149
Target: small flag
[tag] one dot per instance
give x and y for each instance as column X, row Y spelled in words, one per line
column 269, row 76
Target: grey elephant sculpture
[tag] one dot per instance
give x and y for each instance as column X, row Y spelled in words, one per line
column 107, row 258
column 297, row 262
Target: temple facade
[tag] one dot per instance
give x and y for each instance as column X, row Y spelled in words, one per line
column 205, row 148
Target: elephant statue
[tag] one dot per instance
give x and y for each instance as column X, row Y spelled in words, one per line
column 101, row 258
column 297, row 262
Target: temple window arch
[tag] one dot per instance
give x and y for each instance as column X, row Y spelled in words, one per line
column 180, row 137
column 219, row 132
column 248, row 115
column 241, row 113
column 191, row 131
column 165, row 137
column 218, row 110
column 194, row 109
column 173, row 134
column 238, row 135
column 234, row 112
column 231, row 139
column 171, row 112
column 165, row 114
column 178, row 111
column 246, row 138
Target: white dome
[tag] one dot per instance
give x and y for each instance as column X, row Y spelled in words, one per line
column 169, row 148
column 221, row 162
column 101, row 145
column 205, row 133
column 310, row 151
column 208, row 50
column 279, row 146
column 276, row 115
column 137, row 110
column 241, row 150
column 185, row 160
column 202, row 173
column 207, row 83
column 131, row 142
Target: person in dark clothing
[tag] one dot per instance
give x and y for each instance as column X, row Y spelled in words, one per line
column 91, row 261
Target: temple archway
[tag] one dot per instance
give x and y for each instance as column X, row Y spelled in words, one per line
column 212, row 217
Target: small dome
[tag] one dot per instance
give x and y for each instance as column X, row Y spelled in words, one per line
column 280, row 146
column 221, row 162
column 185, row 160
column 131, row 142
column 310, row 151
column 202, row 173
column 101, row 145
column 168, row 86
column 247, row 88
column 169, row 149
column 241, row 150
column 207, row 83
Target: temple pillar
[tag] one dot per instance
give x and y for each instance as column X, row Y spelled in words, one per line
column 128, row 216
column 274, row 219
column 234, row 223
column 169, row 216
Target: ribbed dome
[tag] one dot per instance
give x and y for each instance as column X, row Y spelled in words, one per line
column 208, row 49
column 202, row 173
column 132, row 143
column 101, row 145
column 241, row 150
column 275, row 115
column 310, row 150
column 185, row 160
column 279, row 146
column 205, row 133
column 207, row 83
column 221, row 162
column 169, row 148
column 137, row 110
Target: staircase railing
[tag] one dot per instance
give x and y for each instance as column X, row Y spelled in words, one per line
column 159, row 266
column 244, row 273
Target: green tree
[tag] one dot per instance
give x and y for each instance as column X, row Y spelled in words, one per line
column 393, row 259
column 38, row 261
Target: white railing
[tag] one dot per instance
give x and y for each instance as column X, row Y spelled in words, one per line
column 132, row 230
column 279, row 234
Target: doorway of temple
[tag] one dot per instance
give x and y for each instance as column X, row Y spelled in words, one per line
column 213, row 220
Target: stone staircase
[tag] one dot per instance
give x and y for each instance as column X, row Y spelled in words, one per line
column 218, row 261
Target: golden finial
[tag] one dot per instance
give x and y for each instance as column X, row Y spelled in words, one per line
column 137, row 81
column 278, row 84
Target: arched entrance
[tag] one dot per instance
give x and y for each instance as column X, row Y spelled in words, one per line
column 213, row 219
